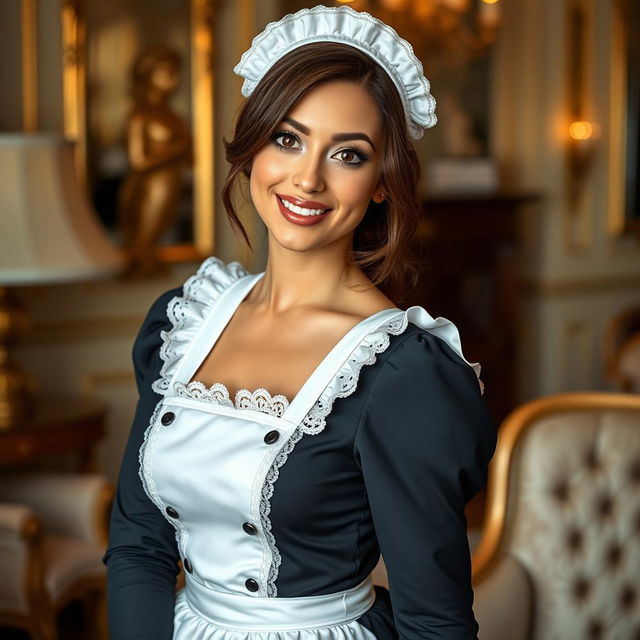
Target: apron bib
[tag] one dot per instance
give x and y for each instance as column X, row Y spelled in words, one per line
column 209, row 468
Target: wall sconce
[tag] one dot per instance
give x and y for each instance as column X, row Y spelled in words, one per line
column 582, row 133
column 581, row 153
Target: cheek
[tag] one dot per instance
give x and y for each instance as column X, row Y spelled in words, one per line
column 266, row 169
column 353, row 186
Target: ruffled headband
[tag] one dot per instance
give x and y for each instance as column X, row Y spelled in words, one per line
column 358, row 29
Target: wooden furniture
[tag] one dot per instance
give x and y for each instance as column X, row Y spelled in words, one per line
column 59, row 426
column 53, row 525
column 53, row 533
column 556, row 559
column 469, row 274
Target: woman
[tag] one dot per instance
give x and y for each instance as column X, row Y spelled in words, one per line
column 366, row 430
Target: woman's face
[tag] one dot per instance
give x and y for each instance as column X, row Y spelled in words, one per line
column 324, row 155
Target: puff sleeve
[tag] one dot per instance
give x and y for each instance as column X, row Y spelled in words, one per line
column 142, row 555
column 424, row 441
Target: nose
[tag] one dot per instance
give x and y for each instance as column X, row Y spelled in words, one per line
column 308, row 175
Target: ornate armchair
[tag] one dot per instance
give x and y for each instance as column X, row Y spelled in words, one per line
column 560, row 552
column 53, row 532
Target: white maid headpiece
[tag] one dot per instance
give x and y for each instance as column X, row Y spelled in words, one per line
column 358, row 29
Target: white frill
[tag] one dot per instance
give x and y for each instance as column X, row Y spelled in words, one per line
column 187, row 313
column 190, row 626
column 358, row 29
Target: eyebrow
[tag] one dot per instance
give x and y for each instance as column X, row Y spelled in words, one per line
column 338, row 137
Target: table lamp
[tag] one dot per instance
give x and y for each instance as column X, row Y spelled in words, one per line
column 48, row 234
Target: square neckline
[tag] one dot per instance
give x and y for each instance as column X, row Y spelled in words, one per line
column 218, row 317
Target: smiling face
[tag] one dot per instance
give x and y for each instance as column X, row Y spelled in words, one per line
column 325, row 154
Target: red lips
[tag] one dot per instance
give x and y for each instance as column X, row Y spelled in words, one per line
column 307, row 204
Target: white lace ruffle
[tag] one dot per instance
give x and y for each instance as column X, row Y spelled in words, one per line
column 217, row 393
column 344, row 383
column 187, row 313
column 358, row 29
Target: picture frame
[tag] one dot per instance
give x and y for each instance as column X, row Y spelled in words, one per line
column 100, row 43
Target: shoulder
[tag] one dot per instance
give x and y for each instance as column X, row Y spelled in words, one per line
column 417, row 355
column 175, row 316
column 146, row 346
column 426, row 404
column 423, row 387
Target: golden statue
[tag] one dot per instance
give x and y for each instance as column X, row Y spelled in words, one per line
column 159, row 150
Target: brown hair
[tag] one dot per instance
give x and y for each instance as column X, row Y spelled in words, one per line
column 382, row 242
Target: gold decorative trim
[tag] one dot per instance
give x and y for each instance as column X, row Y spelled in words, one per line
column 202, row 70
column 578, row 219
column 29, row 66
column 247, row 28
column 513, row 428
column 617, row 121
column 583, row 285
column 74, row 81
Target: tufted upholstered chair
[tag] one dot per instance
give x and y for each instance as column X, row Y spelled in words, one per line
column 621, row 351
column 559, row 557
column 53, row 532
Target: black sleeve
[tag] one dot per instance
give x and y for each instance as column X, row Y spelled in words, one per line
column 142, row 554
column 424, row 442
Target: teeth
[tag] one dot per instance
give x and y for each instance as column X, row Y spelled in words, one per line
column 300, row 210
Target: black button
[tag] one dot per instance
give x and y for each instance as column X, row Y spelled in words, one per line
column 187, row 565
column 172, row 512
column 167, row 418
column 251, row 584
column 249, row 528
column 271, row 437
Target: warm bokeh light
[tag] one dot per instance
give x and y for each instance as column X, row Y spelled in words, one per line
column 580, row 130
column 490, row 1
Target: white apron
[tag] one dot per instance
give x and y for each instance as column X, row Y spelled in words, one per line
column 210, row 469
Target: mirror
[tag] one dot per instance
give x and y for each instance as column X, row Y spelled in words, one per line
column 138, row 99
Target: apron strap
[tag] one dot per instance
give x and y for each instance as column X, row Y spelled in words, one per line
column 333, row 362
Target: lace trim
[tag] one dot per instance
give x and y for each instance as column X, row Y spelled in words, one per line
column 187, row 313
column 346, row 381
column 344, row 384
column 217, row 393
column 147, row 480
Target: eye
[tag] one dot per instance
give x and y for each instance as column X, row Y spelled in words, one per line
column 355, row 156
column 288, row 138
column 358, row 156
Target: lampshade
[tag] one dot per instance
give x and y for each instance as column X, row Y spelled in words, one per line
column 48, row 229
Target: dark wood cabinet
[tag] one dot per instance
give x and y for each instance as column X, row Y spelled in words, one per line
column 469, row 274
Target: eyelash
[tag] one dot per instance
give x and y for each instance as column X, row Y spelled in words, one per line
column 359, row 152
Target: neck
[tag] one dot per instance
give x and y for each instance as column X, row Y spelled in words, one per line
column 295, row 280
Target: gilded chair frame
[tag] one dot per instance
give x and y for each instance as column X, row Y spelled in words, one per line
column 513, row 428
column 75, row 36
column 40, row 622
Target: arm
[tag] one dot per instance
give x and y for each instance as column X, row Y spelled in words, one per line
column 424, row 442
column 141, row 556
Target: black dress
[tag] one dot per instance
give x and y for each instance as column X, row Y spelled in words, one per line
column 279, row 511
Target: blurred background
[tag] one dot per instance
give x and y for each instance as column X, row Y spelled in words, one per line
column 530, row 232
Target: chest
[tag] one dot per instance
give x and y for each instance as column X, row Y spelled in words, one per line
column 279, row 356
